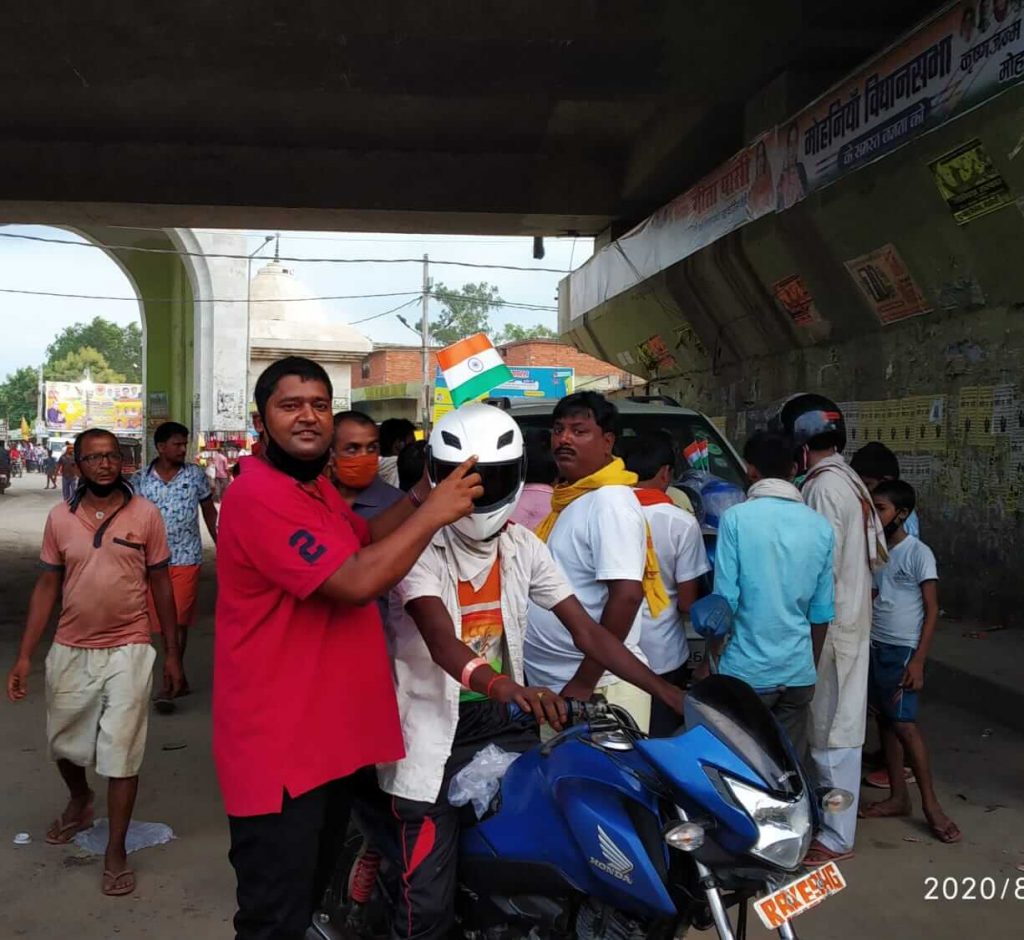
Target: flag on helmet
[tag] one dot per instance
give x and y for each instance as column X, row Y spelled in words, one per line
column 472, row 367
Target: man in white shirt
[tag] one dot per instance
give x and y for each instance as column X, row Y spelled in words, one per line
column 458, row 658
column 839, row 708
column 597, row 534
column 683, row 561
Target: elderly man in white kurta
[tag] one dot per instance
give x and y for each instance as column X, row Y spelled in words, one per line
column 839, row 708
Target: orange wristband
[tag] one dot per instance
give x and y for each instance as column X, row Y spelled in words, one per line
column 472, row 666
column 494, row 679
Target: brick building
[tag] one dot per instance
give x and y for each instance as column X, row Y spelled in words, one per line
column 388, row 382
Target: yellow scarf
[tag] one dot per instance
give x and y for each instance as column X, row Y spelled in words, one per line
column 614, row 474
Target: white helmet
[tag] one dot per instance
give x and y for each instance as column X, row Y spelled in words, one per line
column 494, row 437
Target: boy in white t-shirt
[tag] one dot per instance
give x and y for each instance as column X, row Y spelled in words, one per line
column 904, row 616
column 682, row 559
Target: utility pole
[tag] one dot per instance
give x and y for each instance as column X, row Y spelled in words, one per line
column 425, row 340
column 40, row 428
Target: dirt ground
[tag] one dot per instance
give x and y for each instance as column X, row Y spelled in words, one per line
column 186, row 888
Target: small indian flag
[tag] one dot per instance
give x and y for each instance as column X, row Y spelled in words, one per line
column 472, row 367
column 696, row 454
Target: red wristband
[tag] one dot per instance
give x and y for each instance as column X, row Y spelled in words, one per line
column 472, row 666
column 494, row 679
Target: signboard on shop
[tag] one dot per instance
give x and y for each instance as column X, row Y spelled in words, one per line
column 540, row 382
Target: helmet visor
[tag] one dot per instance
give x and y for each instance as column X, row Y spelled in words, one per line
column 500, row 480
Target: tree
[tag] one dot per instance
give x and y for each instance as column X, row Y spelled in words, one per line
column 464, row 312
column 19, row 395
column 120, row 346
column 81, row 362
column 514, row 333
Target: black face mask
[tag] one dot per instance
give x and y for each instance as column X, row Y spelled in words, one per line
column 101, row 489
column 893, row 527
column 305, row 471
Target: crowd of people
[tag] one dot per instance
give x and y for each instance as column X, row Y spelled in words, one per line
column 382, row 603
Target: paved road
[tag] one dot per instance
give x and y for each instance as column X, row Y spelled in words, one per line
column 186, row 888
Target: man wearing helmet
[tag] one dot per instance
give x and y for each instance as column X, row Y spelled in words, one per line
column 459, row 656
column 839, row 708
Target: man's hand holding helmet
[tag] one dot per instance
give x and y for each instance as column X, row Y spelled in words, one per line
column 453, row 497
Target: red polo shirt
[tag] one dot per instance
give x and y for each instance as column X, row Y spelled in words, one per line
column 302, row 689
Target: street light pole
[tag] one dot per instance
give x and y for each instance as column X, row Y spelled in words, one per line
column 248, row 322
column 425, row 340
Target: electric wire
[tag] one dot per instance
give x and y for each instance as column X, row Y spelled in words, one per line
column 232, row 257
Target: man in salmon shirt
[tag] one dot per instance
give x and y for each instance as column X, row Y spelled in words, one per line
column 303, row 694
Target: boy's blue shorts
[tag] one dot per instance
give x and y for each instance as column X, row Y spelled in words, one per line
column 885, row 682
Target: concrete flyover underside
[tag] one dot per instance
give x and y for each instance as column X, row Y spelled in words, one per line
column 480, row 117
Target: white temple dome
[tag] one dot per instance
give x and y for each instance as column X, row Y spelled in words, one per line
column 283, row 317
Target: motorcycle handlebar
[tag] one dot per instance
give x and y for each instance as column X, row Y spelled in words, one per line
column 580, row 712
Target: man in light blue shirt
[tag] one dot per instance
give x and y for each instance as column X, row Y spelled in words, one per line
column 773, row 564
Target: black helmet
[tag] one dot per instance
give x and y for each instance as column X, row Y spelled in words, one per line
column 804, row 417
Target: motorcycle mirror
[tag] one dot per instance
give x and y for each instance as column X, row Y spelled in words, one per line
column 711, row 617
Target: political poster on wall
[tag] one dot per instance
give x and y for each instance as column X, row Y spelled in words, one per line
column 75, row 406
column 965, row 55
column 887, row 285
column 969, row 182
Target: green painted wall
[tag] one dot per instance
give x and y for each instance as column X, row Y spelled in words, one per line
column 169, row 327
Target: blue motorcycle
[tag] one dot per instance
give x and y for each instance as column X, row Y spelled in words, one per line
column 602, row 833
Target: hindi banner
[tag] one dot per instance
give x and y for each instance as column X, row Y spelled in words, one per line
column 968, row 53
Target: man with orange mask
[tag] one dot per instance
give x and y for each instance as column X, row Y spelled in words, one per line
column 355, row 461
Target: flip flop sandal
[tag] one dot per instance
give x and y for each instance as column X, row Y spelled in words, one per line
column 165, row 705
column 66, row 831
column 879, row 779
column 112, row 889
column 818, row 855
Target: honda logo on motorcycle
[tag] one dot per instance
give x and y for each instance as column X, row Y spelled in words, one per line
column 615, row 862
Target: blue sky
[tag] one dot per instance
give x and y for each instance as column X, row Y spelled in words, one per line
column 30, row 323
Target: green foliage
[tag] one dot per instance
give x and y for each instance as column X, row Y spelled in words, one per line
column 19, row 396
column 79, row 363
column 464, row 312
column 120, row 347
column 514, row 333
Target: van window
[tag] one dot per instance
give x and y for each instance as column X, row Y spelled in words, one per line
column 684, row 430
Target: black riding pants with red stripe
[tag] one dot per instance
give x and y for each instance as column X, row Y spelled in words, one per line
column 428, row 833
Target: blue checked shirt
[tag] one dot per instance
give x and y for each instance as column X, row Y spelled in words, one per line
column 178, row 502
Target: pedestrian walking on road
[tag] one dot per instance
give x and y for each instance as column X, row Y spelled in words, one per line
column 303, row 695
column 682, row 559
column 101, row 554
column 68, row 470
column 181, row 492
column 904, row 617
column 49, row 464
column 773, row 564
column 839, row 709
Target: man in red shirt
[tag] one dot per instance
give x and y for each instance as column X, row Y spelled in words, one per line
column 303, row 694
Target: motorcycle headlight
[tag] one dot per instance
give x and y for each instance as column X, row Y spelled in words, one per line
column 783, row 826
